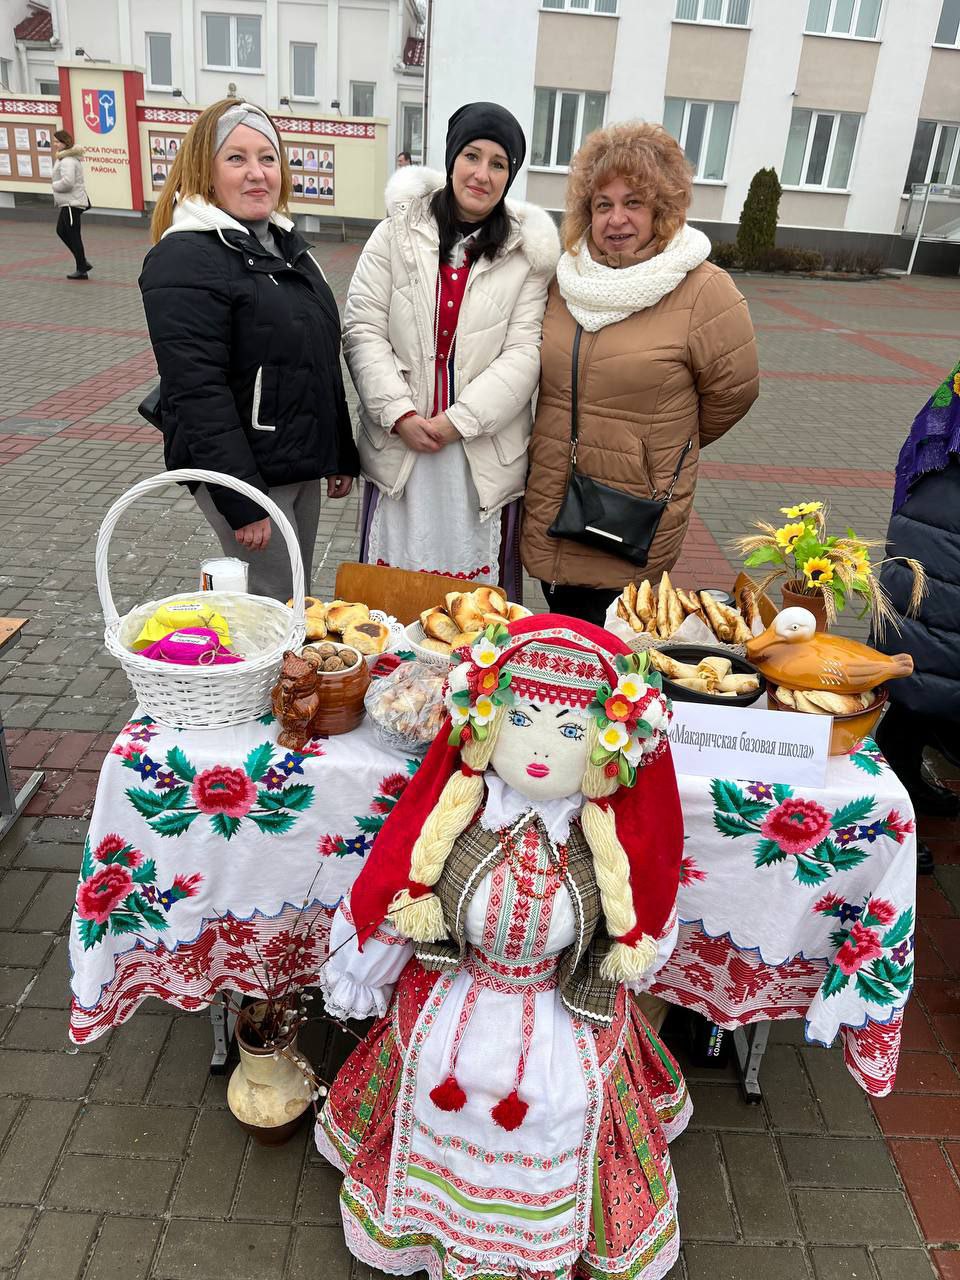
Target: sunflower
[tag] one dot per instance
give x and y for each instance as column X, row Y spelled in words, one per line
column 788, row 535
column 956, row 384
column 860, row 562
column 818, row 571
column 801, row 509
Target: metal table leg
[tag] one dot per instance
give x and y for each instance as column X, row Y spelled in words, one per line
column 13, row 803
column 750, row 1043
column 223, row 1021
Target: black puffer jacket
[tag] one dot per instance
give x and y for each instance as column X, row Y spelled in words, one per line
column 248, row 348
column 927, row 527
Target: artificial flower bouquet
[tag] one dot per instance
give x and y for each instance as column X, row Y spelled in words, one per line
column 815, row 563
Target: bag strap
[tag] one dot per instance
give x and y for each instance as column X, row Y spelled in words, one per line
column 667, row 493
column 574, row 395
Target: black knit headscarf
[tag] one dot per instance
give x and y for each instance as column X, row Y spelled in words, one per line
column 469, row 123
column 486, row 120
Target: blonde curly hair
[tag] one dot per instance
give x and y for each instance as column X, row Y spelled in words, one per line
column 647, row 158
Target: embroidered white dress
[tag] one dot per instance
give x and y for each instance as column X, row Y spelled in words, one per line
column 450, row 1190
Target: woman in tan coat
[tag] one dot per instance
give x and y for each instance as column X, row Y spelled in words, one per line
column 666, row 360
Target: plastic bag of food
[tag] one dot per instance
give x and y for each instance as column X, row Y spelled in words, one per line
column 406, row 706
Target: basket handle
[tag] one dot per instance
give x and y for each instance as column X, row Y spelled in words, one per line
column 137, row 491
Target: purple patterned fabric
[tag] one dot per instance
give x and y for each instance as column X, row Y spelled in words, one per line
column 934, row 436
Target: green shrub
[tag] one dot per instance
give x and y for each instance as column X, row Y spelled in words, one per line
column 788, row 258
column 724, row 254
column 757, row 231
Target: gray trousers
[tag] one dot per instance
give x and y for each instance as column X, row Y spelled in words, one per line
column 270, row 573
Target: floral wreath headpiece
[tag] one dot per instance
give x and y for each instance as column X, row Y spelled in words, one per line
column 630, row 707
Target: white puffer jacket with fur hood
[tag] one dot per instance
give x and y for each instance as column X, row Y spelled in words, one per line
column 388, row 332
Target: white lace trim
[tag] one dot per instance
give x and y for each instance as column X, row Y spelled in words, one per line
column 505, row 805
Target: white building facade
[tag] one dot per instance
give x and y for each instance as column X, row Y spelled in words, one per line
column 851, row 101
column 363, row 57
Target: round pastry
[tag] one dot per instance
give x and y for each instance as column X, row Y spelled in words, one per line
column 316, row 617
column 490, row 600
column 369, row 637
column 463, row 610
column 344, row 613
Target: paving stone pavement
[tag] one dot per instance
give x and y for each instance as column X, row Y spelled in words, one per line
column 120, row 1159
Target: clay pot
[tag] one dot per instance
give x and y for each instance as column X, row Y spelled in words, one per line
column 796, row 596
column 268, row 1096
column 341, row 698
column 849, row 729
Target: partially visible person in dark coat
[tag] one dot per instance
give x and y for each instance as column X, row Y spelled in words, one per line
column 925, row 707
column 246, row 334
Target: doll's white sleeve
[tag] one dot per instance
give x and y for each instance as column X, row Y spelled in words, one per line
column 359, row 984
column 665, row 945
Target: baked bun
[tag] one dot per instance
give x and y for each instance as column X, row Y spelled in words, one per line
column 463, row 610
column 343, row 613
column 464, row 640
column 369, row 637
column 438, row 625
column 316, row 617
column 490, row 600
column 516, row 611
column 436, row 646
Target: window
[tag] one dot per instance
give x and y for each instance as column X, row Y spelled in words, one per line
column 582, row 6
column 231, row 42
column 949, row 26
column 361, row 98
column 50, row 88
column 411, row 129
column 304, row 72
column 6, row 71
column 843, row 17
column 561, row 121
column 820, row 149
column 935, row 156
column 703, row 130
column 159, row 61
column 728, row 13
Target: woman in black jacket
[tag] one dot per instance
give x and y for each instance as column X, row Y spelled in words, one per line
column 246, row 334
column 925, row 707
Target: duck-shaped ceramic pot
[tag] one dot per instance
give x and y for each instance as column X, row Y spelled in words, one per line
column 791, row 652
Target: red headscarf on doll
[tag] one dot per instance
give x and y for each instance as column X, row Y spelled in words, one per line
column 572, row 658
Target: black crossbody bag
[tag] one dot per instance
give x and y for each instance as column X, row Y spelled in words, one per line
column 601, row 516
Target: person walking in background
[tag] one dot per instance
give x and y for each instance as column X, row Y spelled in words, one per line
column 924, row 708
column 246, row 335
column 666, row 361
column 70, row 197
column 441, row 335
column 403, row 159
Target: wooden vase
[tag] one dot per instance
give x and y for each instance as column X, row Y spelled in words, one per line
column 340, row 696
column 795, row 595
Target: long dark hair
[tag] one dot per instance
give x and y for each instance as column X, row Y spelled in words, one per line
column 491, row 237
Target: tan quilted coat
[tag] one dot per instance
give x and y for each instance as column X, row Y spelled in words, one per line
column 685, row 368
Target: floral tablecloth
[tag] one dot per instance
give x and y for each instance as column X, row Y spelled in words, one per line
column 215, row 859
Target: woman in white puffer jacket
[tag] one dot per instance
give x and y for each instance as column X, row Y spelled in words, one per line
column 441, row 334
column 70, row 197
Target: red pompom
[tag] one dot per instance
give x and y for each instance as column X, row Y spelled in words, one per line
column 509, row 1113
column 449, row 1096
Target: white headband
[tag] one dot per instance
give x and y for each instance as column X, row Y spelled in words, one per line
column 253, row 117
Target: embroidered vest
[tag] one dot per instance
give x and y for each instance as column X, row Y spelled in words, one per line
column 583, row 991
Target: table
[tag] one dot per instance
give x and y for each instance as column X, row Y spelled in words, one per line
column 216, row 858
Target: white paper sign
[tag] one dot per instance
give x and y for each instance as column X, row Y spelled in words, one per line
column 25, row 166
column 4, row 166
column 44, row 166
column 22, row 139
column 741, row 742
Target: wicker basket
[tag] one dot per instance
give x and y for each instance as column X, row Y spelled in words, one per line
column 260, row 629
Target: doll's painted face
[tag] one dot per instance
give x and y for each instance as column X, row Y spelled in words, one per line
column 542, row 750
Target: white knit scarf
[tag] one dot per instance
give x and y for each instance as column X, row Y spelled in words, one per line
column 597, row 295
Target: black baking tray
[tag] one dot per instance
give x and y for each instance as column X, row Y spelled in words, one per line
column 692, row 653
